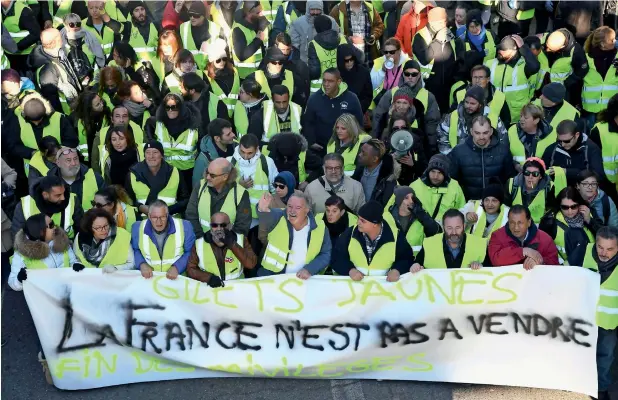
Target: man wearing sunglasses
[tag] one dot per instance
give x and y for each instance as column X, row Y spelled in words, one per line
column 573, row 152
column 199, row 32
column 221, row 255
column 248, row 38
column 141, row 33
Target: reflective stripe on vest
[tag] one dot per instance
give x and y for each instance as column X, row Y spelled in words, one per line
column 288, row 82
column 167, row 194
column 107, row 40
column 117, row 253
column 476, row 249
column 598, row 90
column 478, row 229
column 561, row 69
column 179, row 152
column 12, row 26
column 201, row 58
column 29, row 208
column 271, row 121
column 246, row 67
column 173, row 248
column 518, row 151
column 566, row 111
column 515, row 85
column 349, row 154
column 208, row 262
column 609, row 151
column 31, row 263
column 260, row 183
column 231, row 98
column 607, row 307
column 203, row 204
column 27, row 133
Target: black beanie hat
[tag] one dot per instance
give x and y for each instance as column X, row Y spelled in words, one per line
column 493, row 191
column 274, row 54
column 412, row 64
column 554, row 92
column 322, row 23
column 371, row 211
column 153, row 144
column 477, row 93
column 133, row 4
column 439, row 162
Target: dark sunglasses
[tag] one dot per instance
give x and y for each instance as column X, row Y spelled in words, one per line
column 195, row 15
column 218, row 60
column 213, row 175
column 536, row 174
column 572, row 207
column 99, row 205
column 390, row 52
column 348, row 59
column 399, row 128
column 276, row 62
column 75, row 24
column 411, row 74
column 279, row 185
column 171, row 108
column 221, row 225
column 51, row 225
column 565, row 141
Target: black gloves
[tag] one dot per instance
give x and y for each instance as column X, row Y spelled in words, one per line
column 78, row 267
column 215, row 282
column 22, row 275
column 230, row 239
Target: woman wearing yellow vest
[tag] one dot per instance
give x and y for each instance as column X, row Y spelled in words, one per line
column 116, row 201
column 90, row 114
column 274, row 72
column 347, row 138
column 486, row 216
column 40, row 245
column 184, row 62
column 118, row 154
column 43, row 160
column 222, row 75
column 169, row 44
column 573, row 226
column 101, row 244
column 136, row 69
column 531, row 135
column 532, row 188
column 110, row 79
column 131, row 95
column 605, row 135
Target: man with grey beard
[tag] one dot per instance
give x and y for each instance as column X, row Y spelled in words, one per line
column 82, row 180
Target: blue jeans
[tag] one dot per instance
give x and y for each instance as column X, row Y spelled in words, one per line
column 606, row 343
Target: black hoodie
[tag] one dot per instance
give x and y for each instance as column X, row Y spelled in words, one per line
column 329, row 40
column 242, row 49
column 358, row 78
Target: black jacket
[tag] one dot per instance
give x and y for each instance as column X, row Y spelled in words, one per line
column 584, row 155
column 472, row 166
column 242, row 49
column 202, row 106
column 27, row 22
column 386, row 182
column 342, row 264
column 358, row 78
column 188, row 118
column 418, row 213
column 78, row 185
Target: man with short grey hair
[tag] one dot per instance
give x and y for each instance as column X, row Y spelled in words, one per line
column 334, row 182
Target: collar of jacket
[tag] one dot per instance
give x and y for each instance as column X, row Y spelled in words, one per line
column 427, row 182
column 532, row 231
column 580, row 145
column 387, row 237
column 445, row 245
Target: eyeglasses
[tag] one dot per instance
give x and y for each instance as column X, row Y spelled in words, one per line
column 536, row 174
column 571, row 207
column 279, row 185
column 216, row 225
column 589, row 184
column 347, row 60
column 75, row 24
column 160, row 219
column 565, row 141
column 65, row 152
column 276, row 62
column 195, row 15
column 99, row 205
column 220, row 60
column 173, row 107
column 214, row 175
column 51, row 225
column 390, row 52
column 101, row 228
column 410, row 74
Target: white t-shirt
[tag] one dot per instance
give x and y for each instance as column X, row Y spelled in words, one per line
column 299, row 250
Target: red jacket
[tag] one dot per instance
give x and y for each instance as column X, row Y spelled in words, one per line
column 410, row 23
column 504, row 249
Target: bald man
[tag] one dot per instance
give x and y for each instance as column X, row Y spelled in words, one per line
column 219, row 191
column 231, row 251
column 54, row 72
column 567, row 62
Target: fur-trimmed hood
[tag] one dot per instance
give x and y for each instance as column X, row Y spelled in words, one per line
column 283, row 139
column 36, row 95
column 39, row 250
column 188, row 117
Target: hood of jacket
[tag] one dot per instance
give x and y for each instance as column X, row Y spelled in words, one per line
column 188, row 116
column 287, row 143
column 543, row 126
column 45, row 207
column 39, row 250
column 343, row 87
column 241, row 162
column 343, row 51
column 207, row 145
column 328, row 39
column 38, row 58
column 426, row 181
column 36, row 95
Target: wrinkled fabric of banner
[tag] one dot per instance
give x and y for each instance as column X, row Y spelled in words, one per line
column 501, row 326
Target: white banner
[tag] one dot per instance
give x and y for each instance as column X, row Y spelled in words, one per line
column 502, row 326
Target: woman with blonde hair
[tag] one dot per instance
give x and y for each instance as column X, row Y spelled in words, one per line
column 601, row 81
column 530, row 136
column 346, row 140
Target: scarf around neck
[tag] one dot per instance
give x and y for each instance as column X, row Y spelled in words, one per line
column 135, row 109
column 576, row 222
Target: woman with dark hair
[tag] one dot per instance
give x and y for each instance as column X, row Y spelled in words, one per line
column 101, row 244
column 588, row 186
column 169, row 45
column 222, row 75
column 336, row 218
column 116, row 201
column 43, row 160
column 572, row 226
column 118, row 154
column 250, row 98
column 110, row 79
column 39, row 245
column 91, row 113
column 184, row 62
column 414, row 163
column 142, row 72
column 532, row 188
column 131, row 95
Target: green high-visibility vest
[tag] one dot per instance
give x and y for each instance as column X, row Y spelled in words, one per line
column 173, row 248
column 12, row 26
column 38, row 163
column 231, row 98
column 607, row 307
column 269, row 9
column 63, row 9
column 478, row 229
column 246, row 67
column 512, row 82
column 609, row 151
column 518, row 151
column 232, row 200
column 327, row 58
column 27, row 133
column 64, row 219
column 32, row 263
column 82, row 147
column 180, row 152
column 352, row 219
column 260, row 182
column 89, row 188
column 524, row 15
column 302, row 173
column 146, row 51
column 382, row 260
column 561, row 228
column 277, row 254
column 4, row 61
column 566, row 111
column 426, row 69
column 489, row 45
column 241, row 119
column 349, row 154
column 561, row 69
column 271, row 121
column 536, row 81
column 476, row 249
column 598, row 90
column 208, row 262
column 201, row 59
column 107, row 39
column 537, row 206
column 416, row 232
column 111, row 9
column 138, row 132
column 104, row 157
column 288, row 82
column 495, row 105
column 172, row 80
column 117, row 253
column 451, row 195
column 453, row 135
column 168, row 194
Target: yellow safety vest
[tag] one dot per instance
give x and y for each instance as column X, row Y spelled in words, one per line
column 168, row 194
column 609, row 151
column 561, row 227
column 27, row 133
column 173, row 248
column 536, row 81
column 29, row 208
column 117, row 253
column 63, row 9
column 453, row 135
column 416, row 232
column 32, row 263
column 478, row 229
column 518, row 151
column 138, row 132
column 208, row 262
column 231, row 98
column 277, row 253
column 327, row 58
column 114, row 13
column 495, row 105
column 38, row 163
column 476, row 249
column 598, row 90
column 269, row 9
column 4, row 61
column 489, row 45
column 382, row 260
column 288, row 82
column 607, row 307
column 232, row 200
column 201, row 59
column 512, row 82
column 537, row 206
column 349, row 154
column 89, row 188
column 180, row 152
column 260, row 182
column 12, row 26
column 352, row 219
column 561, row 69
column 246, row 67
column 451, row 195
column 172, row 80
column 271, row 121
column 107, row 40
column 426, row 69
column 567, row 111
column 145, row 51
column 104, row 156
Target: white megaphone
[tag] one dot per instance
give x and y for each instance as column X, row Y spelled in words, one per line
column 401, row 141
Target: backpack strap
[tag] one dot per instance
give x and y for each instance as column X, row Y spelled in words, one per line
column 332, row 193
column 606, row 209
column 437, row 209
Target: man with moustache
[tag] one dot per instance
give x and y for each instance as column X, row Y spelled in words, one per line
column 141, row 33
column 194, row 89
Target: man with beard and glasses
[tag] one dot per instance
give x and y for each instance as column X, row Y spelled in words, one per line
column 195, row 90
column 141, row 33
column 452, row 249
column 82, row 181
